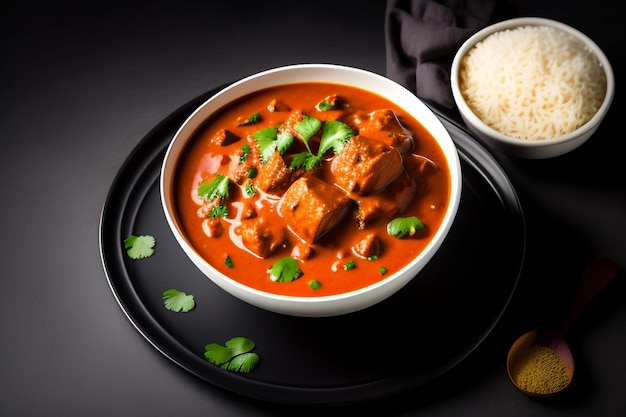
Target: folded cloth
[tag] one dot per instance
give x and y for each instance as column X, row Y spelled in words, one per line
column 421, row 38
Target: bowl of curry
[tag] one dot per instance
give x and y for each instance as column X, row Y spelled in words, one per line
column 311, row 190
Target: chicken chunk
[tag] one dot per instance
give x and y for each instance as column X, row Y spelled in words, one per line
column 274, row 174
column 260, row 237
column 382, row 125
column 241, row 161
column 368, row 247
column 312, row 207
column 388, row 203
column 366, row 166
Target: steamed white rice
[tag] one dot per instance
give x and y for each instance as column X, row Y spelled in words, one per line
column 532, row 82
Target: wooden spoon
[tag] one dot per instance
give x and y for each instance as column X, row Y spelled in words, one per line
column 540, row 363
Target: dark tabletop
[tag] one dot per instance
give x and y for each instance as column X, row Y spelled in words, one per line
column 82, row 84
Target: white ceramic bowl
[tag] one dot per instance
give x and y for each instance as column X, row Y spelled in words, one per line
column 323, row 305
column 540, row 148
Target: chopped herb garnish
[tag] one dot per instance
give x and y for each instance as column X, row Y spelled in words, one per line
column 335, row 134
column 218, row 211
column 236, row 355
column 250, row 120
column 372, row 258
column 229, row 262
column 285, row 270
column 218, row 187
column 139, row 247
column 178, row 301
column 382, row 270
column 402, row 227
column 329, row 103
column 350, row 265
column 315, row 284
column 250, row 190
column 252, row 172
column 269, row 140
column 245, row 151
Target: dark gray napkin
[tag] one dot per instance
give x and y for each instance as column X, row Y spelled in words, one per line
column 421, row 37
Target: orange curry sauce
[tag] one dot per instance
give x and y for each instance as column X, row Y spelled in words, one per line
column 324, row 258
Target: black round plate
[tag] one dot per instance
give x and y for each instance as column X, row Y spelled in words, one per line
column 449, row 309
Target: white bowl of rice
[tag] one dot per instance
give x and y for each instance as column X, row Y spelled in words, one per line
column 532, row 87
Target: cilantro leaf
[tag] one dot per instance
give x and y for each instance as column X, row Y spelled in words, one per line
column 139, row 247
column 240, row 345
column 402, row 227
column 307, row 127
column 285, row 270
column 283, row 142
column 334, row 136
column 243, row 363
column 217, row 354
column 235, row 356
column 304, row 160
column 178, row 301
column 269, row 140
column 218, row 187
column 266, row 141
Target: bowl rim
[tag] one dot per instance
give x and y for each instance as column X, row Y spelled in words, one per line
column 196, row 119
column 467, row 113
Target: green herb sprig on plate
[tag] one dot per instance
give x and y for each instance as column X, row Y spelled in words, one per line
column 235, row 355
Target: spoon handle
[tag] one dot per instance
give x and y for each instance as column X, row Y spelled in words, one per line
column 596, row 277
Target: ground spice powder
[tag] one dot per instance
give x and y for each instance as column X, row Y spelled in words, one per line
column 540, row 371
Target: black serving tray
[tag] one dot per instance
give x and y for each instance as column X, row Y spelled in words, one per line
column 406, row 341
